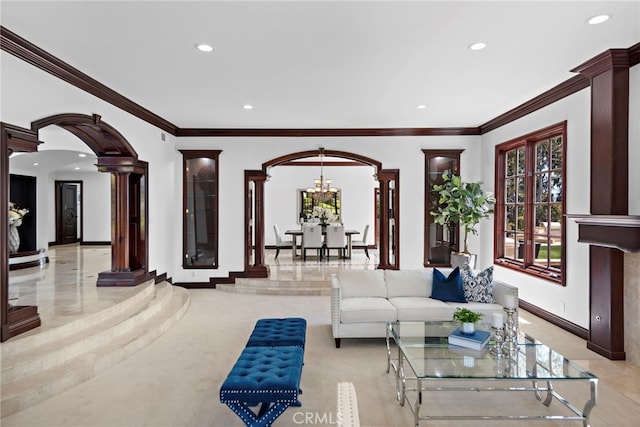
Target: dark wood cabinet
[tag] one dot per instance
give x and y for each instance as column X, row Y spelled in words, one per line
column 439, row 241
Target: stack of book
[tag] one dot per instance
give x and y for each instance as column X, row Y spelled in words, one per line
column 476, row 341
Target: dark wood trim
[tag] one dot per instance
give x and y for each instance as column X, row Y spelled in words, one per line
column 428, row 218
column 564, row 89
column 325, row 163
column 16, row 320
column 555, row 320
column 29, row 264
column 32, row 54
column 160, row 278
column 328, row 132
column 287, row 158
column 94, row 243
column 634, row 55
column 609, row 76
column 123, row 278
column 612, row 231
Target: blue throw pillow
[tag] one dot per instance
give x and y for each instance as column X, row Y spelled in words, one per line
column 447, row 288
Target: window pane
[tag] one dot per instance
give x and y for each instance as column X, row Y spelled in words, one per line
column 541, row 217
column 520, row 217
column 556, row 152
column 542, row 188
column 510, row 218
column 556, row 187
column 521, row 161
column 510, row 192
column 512, row 159
column 556, row 212
column 542, row 156
column 510, row 246
column 520, row 190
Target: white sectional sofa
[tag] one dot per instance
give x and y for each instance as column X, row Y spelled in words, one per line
column 363, row 301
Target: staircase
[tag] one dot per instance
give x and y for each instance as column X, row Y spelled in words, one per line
column 38, row 366
column 278, row 287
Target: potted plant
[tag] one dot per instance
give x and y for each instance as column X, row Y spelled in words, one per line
column 467, row 318
column 462, row 202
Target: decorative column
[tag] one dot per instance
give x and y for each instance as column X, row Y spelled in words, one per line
column 254, row 235
column 609, row 75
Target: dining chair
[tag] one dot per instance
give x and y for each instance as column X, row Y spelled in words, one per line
column 312, row 239
column 281, row 243
column 363, row 242
column 335, row 239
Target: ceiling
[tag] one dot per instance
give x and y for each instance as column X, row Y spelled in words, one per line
column 322, row 64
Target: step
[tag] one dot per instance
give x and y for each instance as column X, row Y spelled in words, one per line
column 276, row 287
column 38, row 377
column 46, row 333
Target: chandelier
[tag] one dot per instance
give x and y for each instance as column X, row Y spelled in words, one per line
column 322, row 190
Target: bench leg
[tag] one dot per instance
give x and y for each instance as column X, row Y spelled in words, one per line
column 266, row 416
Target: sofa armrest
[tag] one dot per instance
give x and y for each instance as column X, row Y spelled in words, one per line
column 500, row 289
column 336, row 300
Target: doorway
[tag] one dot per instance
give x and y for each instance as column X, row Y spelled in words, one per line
column 69, row 212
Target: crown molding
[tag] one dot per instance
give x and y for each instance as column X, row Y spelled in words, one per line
column 32, row 54
column 556, row 93
column 607, row 60
column 328, row 132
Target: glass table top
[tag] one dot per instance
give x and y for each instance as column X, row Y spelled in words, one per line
column 426, row 349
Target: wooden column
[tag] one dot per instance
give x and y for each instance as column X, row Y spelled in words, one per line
column 122, row 273
column 254, row 235
column 609, row 75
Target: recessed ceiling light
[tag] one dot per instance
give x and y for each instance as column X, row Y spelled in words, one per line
column 421, row 107
column 247, row 107
column 204, row 47
column 77, row 168
column 82, row 155
column 477, row 46
column 36, row 164
column 598, row 19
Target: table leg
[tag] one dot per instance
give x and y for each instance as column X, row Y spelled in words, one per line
column 348, row 254
column 591, row 403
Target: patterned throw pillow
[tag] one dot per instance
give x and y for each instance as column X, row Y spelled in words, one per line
column 478, row 288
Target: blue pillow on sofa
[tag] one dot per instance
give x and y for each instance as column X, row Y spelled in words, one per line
column 448, row 288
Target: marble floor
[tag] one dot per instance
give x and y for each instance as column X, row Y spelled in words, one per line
column 65, row 290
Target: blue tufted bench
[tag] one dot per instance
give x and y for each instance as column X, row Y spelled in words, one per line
column 279, row 332
column 266, row 376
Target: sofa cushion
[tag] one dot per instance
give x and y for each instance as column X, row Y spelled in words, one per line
column 485, row 309
column 421, row 309
column 447, row 288
column 362, row 283
column 478, row 288
column 408, row 283
column 369, row 309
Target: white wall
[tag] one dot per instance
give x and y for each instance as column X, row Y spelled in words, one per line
column 96, row 203
column 547, row 295
column 356, row 185
column 30, row 94
column 240, row 154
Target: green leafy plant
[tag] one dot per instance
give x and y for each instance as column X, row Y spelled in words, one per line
column 462, row 202
column 465, row 315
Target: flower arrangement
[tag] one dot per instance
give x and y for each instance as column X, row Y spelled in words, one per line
column 322, row 215
column 16, row 214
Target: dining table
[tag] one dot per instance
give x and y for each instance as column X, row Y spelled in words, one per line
column 295, row 233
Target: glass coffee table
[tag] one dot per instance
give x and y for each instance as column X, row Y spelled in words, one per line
column 427, row 363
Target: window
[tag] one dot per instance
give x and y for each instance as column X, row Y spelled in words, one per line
column 530, row 193
column 306, row 203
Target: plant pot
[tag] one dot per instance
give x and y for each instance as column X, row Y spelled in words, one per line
column 460, row 259
column 468, row 328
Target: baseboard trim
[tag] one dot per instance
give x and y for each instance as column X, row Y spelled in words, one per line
column 94, row 243
column 555, row 320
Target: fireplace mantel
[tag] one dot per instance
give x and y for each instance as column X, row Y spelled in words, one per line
column 610, row 231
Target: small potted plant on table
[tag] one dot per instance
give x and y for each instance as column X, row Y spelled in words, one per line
column 467, row 318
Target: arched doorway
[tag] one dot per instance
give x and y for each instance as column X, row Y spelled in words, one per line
column 129, row 197
column 254, row 210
